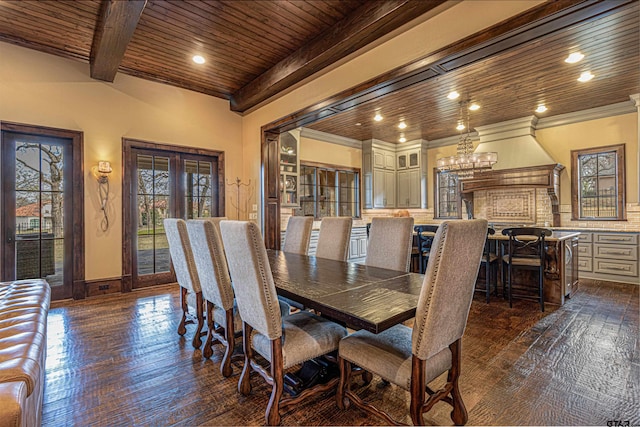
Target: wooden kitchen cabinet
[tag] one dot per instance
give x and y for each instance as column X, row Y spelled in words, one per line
column 393, row 175
column 384, row 188
column 408, row 191
column 609, row 256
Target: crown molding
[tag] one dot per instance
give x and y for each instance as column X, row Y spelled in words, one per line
column 331, row 138
column 451, row 140
column 625, row 107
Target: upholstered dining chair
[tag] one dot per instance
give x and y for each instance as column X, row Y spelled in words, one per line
column 298, row 235
column 185, row 269
column 390, row 243
column 411, row 358
column 282, row 342
column 211, row 264
column 525, row 250
column 334, row 238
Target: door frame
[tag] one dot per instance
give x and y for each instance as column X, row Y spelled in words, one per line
column 75, row 251
column 128, row 207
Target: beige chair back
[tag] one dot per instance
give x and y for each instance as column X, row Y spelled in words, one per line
column 390, row 242
column 253, row 284
column 298, row 234
column 181, row 254
column 211, row 261
column 334, row 237
column 447, row 292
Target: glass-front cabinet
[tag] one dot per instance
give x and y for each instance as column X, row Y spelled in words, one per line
column 327, row 191
column 289, row 168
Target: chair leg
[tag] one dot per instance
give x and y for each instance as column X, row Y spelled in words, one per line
column 244, row 385
column 345, row 383
column 459, row 414
column 183, row 303
column 418, row 390
column 272, row 415
column 487, row 279
column 509, row 283
column 541, row 287
column 197, row 341
column 207, row 350
column 229, row 332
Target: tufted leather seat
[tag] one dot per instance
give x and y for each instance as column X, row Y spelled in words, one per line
column 24, row 306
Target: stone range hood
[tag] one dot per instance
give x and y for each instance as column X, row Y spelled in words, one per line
column 522, row 163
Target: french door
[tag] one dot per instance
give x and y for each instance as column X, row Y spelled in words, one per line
column 40, row 239
column 163, row 182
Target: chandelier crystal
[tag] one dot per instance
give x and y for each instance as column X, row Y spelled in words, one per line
column 465, row 163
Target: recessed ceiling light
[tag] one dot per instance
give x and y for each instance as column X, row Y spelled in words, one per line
column 377, row 117
column 453, row 95
column 460, row 126
column 585, row 76
column 402, row 125
column 198, row 59
column 402, row 139
column 358, row 124
column 574, row 57
column 541, row 108
column 474, row 107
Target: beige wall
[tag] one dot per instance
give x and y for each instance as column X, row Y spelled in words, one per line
column 622, row 129
column 333, row 154
column 44, row 90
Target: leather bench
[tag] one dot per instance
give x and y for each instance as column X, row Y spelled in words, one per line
column 24, row 306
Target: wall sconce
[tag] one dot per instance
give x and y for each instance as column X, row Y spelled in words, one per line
column 101, row 173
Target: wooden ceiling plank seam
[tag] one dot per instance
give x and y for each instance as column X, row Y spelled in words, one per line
column 46, row 36
column 213, row 52
column 43, row 11
column 338, row 9
column 265, row 34
column 212, row 42
column 357, row 30
column 60, row 52
column 154, row 42
column 173, row 73
column 69, row 12
column 231, row 34
column 116, row 25
column 215, row 63
column 17, row 22
column 316, row 16
column 294, row 27
column 524, row 36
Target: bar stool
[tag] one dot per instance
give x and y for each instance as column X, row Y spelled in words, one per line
column 490, row 263
column 424, row 243
column 525, row 253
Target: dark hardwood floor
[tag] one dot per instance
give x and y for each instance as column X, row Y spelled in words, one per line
column 117, row 360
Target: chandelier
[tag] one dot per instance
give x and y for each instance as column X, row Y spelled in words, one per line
column 466, row 162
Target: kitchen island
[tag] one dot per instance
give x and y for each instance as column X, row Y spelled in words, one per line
column 561, row 265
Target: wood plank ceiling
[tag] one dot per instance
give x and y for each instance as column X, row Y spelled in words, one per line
column 507, row 85
column 256, row 49
column 253, row 49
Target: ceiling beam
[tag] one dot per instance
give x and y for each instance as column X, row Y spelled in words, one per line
column 116, row 24
column 366, row 24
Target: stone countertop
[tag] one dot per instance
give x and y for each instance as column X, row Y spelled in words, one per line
column 555, row 236
column 592, row 230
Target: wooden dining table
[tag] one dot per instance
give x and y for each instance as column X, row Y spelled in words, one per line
column 359, row 296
